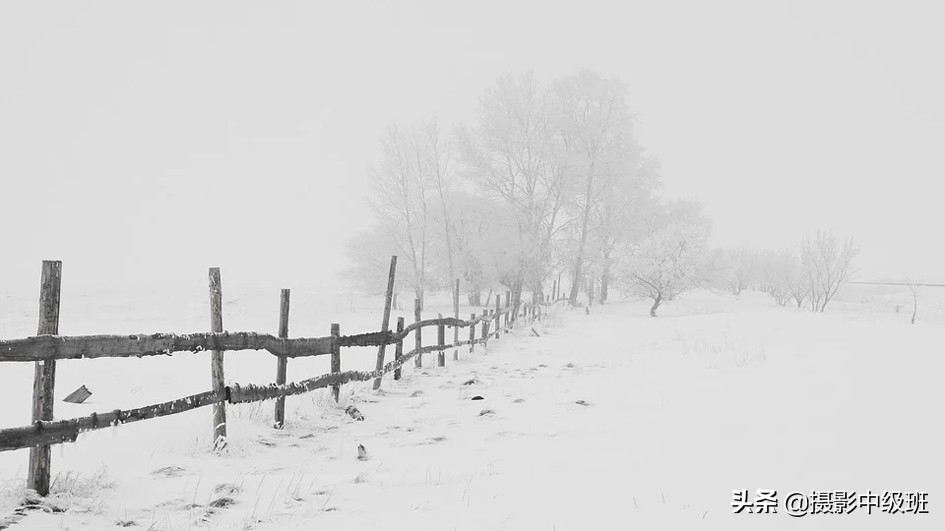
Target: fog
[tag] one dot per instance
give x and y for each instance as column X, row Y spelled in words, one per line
column 141, row 144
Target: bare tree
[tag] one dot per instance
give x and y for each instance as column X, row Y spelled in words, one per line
column 472, row 228
column 433, row 156
column 828, row 264
column 400, row 201
column 794, row 281
column 735, row 269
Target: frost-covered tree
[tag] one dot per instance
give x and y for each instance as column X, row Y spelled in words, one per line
column 553, row 181
column 623, row 219
column 513, row 156
column 828, row 265
column 792, row 281
column 668, row 261
column 598, row 145
column 735, row 269
column 472, row 229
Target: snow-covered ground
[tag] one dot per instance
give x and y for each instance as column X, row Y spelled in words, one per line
column 611, row 420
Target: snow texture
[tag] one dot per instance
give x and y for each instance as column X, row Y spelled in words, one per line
column 609, row 421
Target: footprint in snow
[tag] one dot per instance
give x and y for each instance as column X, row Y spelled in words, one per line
column 169, row 471
column 226, row 489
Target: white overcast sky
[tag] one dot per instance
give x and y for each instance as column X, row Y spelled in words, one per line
column 144, row 142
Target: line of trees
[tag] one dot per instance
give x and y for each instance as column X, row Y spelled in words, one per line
column 809, row 277
column 548, row 180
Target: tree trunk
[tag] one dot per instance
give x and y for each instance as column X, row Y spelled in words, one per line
column 575, row 282
column 656, row 304
column 517, row 288
column 579, row 259
column 538, row 294
column 418, row 292
column 604, row 284
column 475, row 297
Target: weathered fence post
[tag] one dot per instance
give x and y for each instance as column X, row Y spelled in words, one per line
column 554, row 288
column 508, row 311
column 485, row 328
column 335, row 358
column 498, row 316
column 399, row 349
column 456, row 316
column 416, row 333
column 385, row 324
column 472, row 333
column 216, row 360
column 282, row 362
column 441, row 342
column 44, row 374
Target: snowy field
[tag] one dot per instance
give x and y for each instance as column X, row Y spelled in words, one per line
column 611, row 420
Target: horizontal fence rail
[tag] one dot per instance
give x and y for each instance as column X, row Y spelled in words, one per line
column 48, row 347
column 40, row 348
column 54, row 432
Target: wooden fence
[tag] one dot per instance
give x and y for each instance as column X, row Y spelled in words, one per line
column 47, row 347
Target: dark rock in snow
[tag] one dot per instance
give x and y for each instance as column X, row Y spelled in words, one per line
column 222, row 502
column 362, row 453
column 354, row 413
column 477, row 397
